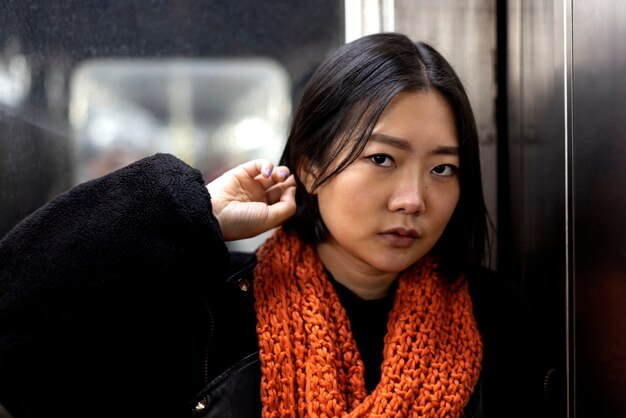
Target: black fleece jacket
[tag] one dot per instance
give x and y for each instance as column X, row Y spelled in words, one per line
column 99, row 296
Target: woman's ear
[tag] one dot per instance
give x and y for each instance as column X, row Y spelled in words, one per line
column 307, row 175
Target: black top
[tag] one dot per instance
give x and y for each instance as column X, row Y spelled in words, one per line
column 368, row 320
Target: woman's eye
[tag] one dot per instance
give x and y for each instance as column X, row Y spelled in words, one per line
column 382, row 160
column 445, row 170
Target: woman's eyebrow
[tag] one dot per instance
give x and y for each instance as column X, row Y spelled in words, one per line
column 399, row 143
column 445, row 150
column 405, row 145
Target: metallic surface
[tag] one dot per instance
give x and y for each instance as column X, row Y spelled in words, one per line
column 599, row 205
column 566, row 82
column 534, row 247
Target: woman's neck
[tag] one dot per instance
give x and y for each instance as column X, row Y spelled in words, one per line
column 362, row 280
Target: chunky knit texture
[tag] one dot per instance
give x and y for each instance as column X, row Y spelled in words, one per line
column 310, row 362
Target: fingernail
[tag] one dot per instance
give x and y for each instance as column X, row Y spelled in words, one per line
column 283, row 173
column 268, row 172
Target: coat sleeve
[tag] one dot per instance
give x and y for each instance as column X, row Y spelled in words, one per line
column 99, row 290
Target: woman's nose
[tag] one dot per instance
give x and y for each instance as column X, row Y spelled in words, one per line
column 407, row 197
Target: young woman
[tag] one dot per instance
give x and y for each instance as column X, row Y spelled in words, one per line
column 119, row 297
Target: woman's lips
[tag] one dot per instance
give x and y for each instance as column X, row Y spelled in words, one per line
column 400, row 237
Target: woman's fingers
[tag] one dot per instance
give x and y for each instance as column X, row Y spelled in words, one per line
column 259, row 167
column 253, row 179
column 264, row 172
column 274, row 193
column 244, row 220
column 252, row 198
column 283, row 209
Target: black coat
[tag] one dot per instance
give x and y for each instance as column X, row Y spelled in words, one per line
column 120, row 298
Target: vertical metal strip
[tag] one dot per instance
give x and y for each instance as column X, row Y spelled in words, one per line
column 353, row 19
column 363, row 17
column 388, row 15
column 569, row 210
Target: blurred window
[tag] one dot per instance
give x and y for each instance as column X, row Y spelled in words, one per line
column 213, row 114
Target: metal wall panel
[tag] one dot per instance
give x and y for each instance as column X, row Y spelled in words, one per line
column 599, row 206
column 567, row 192
column 534, row 248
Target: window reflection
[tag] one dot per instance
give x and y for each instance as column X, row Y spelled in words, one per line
column 210, row 113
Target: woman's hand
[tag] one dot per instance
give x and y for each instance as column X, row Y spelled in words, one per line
column 252, row 198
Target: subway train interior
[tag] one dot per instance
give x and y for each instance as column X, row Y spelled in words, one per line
column 88, row 86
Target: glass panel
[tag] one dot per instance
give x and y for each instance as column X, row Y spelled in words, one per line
column 213, row 114
column 170, row 68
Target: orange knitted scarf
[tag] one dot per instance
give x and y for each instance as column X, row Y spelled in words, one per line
column 310, row 362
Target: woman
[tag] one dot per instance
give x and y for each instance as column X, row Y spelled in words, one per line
column 120, row 298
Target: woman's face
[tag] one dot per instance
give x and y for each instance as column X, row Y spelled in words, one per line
column 390, row 206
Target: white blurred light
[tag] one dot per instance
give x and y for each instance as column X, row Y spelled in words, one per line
column 14, row 80
column 364, row 17
column 252, row 133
